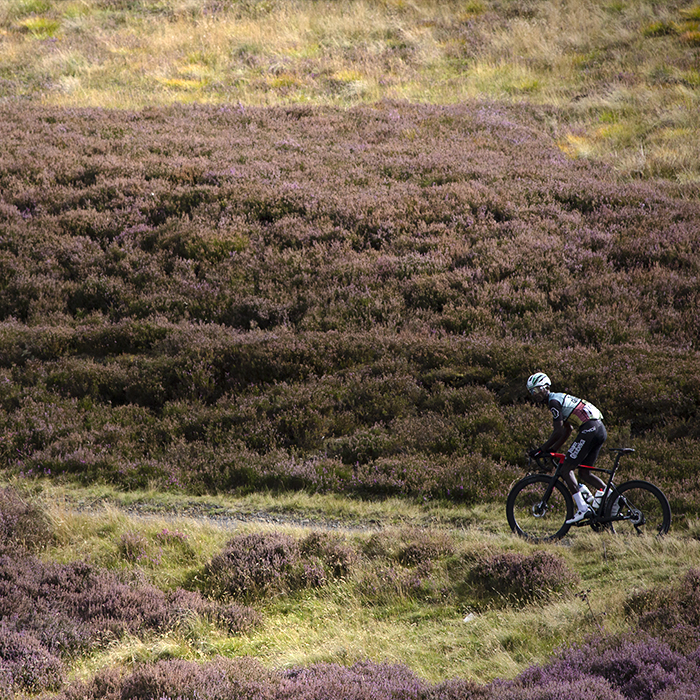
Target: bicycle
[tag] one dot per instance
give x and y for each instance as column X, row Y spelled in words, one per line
column 539, row 505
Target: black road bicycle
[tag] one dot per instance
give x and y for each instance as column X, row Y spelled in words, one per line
column 539, row 505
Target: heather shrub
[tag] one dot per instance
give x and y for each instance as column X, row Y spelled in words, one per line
column 631, row 673
column 584, row 687
column 23, row 525
column 520, row 578
column 185, row 607
column 409, row 565
column 52, row 612
column 361, row 681
column 221, row 679
column 637, row 669
column 459, row 689
column 25, row 662
column 609, row 669
column 670, row 613
column 253, row 565
column 261, row 564
column 422, row 546
column 90, row 602
column 334, row 551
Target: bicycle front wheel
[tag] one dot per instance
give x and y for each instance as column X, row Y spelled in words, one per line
column 532, row 518
column 638, row 508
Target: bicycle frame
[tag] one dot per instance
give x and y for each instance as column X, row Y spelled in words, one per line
column 557, row 460
column 539, row 504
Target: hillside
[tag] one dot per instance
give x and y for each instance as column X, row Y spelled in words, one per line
column 351, row 301
column 623, row 75
column 273, row 274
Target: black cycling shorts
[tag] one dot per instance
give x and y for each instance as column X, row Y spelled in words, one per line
column 586, row 447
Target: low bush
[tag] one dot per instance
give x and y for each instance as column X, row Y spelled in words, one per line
column 520, row 578
column 23, row 525
column 255, row 565
column 424, row 546
column 264, row 564
column 26, row 664
column 222, row 679
column 637, row 670
column 53, row 612
column 670, row 613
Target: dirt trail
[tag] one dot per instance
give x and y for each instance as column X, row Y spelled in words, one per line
column 227, row 518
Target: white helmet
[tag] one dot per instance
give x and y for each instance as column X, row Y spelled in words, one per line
column 538, row 381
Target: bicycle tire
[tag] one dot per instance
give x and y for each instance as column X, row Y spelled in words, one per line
column 644, row 509
column 522, row 509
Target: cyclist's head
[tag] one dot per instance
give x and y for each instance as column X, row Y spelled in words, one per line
column 538, row 385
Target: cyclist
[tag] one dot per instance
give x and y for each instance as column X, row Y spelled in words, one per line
column 568, row 411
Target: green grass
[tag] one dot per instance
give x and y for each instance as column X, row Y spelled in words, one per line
column 339, row 623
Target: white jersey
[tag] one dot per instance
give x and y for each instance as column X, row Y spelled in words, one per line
column 571, row 409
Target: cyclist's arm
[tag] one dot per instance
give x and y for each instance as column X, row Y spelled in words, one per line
column 560, row 434
column 560, row 431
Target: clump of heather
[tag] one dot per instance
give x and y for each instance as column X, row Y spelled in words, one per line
column 23, row 525
column 636, row 669
column 260, row 564
column 254, row 565
column 335, row 553
column 221, row 679
column 50, row 612
column 361, row 681
column 520, row 578
column 671, row 613
column 25, row 662
column 422, row 546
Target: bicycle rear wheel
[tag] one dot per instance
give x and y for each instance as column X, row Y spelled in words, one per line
column 534, row 520
column 637, row 508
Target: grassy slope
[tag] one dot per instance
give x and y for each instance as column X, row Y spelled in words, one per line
column 339, row 623
column 625, row 75
column 622, row 79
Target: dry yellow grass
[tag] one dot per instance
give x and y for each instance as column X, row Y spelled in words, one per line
column 635, row 60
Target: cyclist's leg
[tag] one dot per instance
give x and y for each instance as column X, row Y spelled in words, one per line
column 593, row 437
column 567, row 473
column 572, row 459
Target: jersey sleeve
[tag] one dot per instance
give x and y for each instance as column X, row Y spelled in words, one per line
column 556, row 409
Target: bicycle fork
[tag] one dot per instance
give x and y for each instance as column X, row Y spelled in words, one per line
column 539, row 510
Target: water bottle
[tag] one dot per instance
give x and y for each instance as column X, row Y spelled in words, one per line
column 597, row 499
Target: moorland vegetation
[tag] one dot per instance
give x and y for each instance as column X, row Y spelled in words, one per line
column 243, row 298
column 175, row 609
column 308, row 288
column 623, row 75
